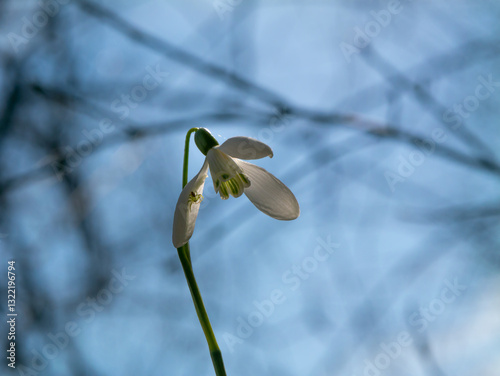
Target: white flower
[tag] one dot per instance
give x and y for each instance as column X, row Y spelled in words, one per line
column 233, row 176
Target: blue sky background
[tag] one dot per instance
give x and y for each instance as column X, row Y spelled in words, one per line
column 383, row 119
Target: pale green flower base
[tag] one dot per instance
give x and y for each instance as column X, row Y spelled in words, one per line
column 185, row 257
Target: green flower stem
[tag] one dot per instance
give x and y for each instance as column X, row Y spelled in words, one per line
column 215, row 352
column 185, row 257
column 185, row 168
column 186, row 157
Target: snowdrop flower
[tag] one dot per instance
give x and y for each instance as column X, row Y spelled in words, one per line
column 232, row 176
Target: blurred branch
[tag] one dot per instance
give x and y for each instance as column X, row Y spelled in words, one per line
column 11, row 104
column 454, row 214
column 401, row 83
column 133, row 131
column 427, row 355
column 214, row 71
column 177, row 54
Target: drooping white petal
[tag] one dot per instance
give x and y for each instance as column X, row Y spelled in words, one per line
column 187, row 208
column 245, row 148
column 268, row 194
column 228, row 177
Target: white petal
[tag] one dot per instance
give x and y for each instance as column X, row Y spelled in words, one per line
column 268, row 194
column 227, row 176
column 245, row 148
column 187, row 208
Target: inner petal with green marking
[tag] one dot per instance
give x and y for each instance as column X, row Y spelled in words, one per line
column 233, row 186
column 227, row 176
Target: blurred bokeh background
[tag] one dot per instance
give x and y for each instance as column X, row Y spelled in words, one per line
column 383, row 119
